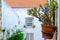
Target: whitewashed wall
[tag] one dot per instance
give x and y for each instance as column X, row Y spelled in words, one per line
column 58, row 20
column 10, row 19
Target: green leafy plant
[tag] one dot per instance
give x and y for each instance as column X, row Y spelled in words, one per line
column 18, row 35
column 45, row 13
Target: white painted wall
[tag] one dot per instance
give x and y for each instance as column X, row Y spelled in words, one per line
column 58, row 20
column 22, row 12
column 10, row 19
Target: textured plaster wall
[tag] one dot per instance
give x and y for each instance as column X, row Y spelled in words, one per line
column 58, row 20
column 11, row 16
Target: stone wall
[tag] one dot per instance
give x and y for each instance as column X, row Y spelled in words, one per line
column 1, row 33
column 0, row 16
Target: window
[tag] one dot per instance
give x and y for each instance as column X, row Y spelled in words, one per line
column 29, row 36
column 29, row 21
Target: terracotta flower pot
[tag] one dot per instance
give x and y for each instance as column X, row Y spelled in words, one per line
column 48, row 31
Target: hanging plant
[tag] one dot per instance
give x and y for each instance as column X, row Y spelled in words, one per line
column 46, row 15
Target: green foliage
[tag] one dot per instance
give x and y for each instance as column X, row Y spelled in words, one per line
column 18, row 35
column 40, row 12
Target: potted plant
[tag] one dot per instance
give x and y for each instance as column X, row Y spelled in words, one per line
column 46, row 14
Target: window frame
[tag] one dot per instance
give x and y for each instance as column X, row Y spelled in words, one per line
column 30, row 36
column 26, row 22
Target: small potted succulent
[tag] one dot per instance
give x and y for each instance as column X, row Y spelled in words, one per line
column 46, row 14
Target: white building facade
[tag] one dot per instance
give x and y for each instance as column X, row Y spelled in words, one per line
column 11, row 17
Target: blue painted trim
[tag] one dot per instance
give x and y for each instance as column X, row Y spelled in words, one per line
column 44, row 38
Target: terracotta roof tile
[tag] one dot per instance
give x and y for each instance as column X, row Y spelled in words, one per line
column 25, row 3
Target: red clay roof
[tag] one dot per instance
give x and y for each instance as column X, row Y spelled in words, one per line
column 25, row 3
